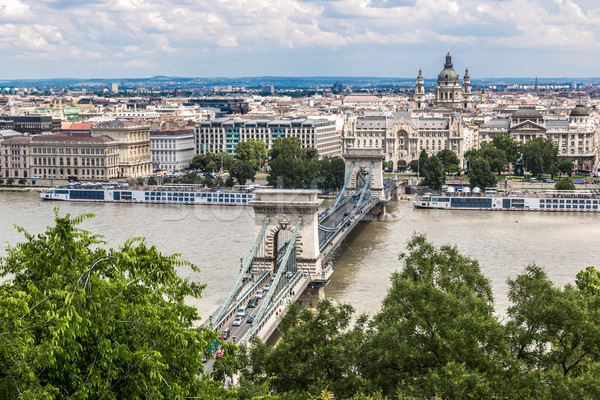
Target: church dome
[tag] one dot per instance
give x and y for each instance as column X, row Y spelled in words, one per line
column 448, row 74
column 579, row 111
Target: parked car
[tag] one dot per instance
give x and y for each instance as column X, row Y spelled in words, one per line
column 238, row 321
column 260, row 294
column 225, row 333
column 548, row 180
column 251, row 319
column 204, row 359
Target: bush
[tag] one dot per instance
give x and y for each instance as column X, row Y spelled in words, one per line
column 10, row 181
column 1, row 181
column 22, row 181
column 565, row 184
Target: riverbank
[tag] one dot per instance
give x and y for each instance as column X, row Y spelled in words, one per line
column 22, row 189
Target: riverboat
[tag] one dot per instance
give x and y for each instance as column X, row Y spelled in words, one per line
column 169, row 194
column 548, row 200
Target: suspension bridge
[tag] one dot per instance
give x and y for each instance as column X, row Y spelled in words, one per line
column 295, row 242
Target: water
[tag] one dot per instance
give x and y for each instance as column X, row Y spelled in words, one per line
column 215, row 238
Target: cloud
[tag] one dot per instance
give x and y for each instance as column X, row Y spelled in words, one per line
column 136, row 32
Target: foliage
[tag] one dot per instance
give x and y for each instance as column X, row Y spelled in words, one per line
column 496, row 158
column 212, row 161
column 508, row 145
column 80, row 321
column 480, row 174
column 294, row 167
column 540, row 156
column 152, row 181
column 229, row 182
column 251, row 151
column 565, row 166
column 139, row 181
column 1, row 181
column 439, row 315
column 10, row 181
column 167, row 180
column 242, row 171
column 564, row 184
column 22, row 181
column 433, row 174
column 402, row 164
column 414, row 165
column 449, row 160
column 317, row 351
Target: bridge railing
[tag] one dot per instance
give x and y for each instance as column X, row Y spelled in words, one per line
column 265, row 304
column 219, row 316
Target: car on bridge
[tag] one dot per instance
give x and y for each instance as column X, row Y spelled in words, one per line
column 225, row 333
column 253, row 302
column 260, row 294
column 238, row 321
column 250, row 319
column 242, row 311
column 267, row 287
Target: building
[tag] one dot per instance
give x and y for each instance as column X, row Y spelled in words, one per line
column 135, row 158
column 225, row 105
column 62, row 156
column 172, row 150
column 223, row 134
column 34, row 124
column 114, row 87
column 402, row 136
column 575, row 135
column 450, row 93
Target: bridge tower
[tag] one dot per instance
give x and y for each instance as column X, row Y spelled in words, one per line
column 359, row 161
column 284, row 207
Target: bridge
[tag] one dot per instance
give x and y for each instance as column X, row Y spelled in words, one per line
column 295, row 242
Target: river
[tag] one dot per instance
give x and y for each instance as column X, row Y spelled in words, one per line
column 215, row 238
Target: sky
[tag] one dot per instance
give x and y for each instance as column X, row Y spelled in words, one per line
column 236, row 38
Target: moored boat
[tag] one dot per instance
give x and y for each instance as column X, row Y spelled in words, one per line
column 548, row 200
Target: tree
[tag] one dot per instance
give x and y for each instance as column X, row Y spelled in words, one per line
column 433, row 173
column 414, row 165
column 139, row 181
column 565, row 166
column 496, row 158
column 1, row 181
column 242, row 171
column 197, row 162
column 22, row 181
column 152, row 181
column 292, row 166
column 480, row 174
column 82, row 321
column 449, row 160
column 540, row 155
column 402, row 164
column 508, row 145
column 252, row 151
column 439, row 315
column 10, row 181
column 229, row 182
column 317, row 351
column 564, row 184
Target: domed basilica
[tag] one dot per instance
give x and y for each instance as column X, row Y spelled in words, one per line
column 449, row 93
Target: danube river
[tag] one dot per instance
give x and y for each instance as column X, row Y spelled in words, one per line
column 215, row 238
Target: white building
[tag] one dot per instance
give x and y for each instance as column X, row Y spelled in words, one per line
column 172, row 150
column 223, row 134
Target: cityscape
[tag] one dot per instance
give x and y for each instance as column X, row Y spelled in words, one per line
column 299, row 200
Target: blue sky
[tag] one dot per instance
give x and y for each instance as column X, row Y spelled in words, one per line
column 232, row 38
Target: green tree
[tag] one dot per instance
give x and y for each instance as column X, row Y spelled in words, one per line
column 402, row 164
column 449, row 160
column 288, row 164
column 139, row 181
column 423, row 157
column 540, row 155
column 564, row 184
column 433, row 173
column 229, row 182
column 496, row 158
column 317, row 351
column 10, row 181
column 242, row 171
column 167, row 180
column 252, row 151
column 480, row 174
column 198, row 162
column 414, row 165
column 565, row 166
column 1, row 181
column 508, row 145
column 439, row 315
column 81, row 321
column 152, row 181
column 22, row 181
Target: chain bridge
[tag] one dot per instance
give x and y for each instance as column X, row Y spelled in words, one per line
column 291, row 258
